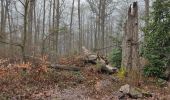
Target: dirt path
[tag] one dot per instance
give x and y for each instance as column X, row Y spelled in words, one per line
column 78, row 93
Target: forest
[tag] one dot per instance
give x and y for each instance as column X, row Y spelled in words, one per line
column 84, row 49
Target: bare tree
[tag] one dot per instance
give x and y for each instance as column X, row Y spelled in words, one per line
column 43, row 33
column 103, row 16
column 102, row 9
column 79, row 23
column 70, row 30
column 147, row 11
column 25, row 15
column 57, row 24
column 4, row 13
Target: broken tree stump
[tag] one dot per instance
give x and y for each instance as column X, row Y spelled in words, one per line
column 130, row 45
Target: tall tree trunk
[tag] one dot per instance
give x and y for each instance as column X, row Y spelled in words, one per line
column 79, row 22
column 11, row 50
column 147, row 11
column 49, row 24
column 99, row 25
column 43, row 33
column 130, row 58
column 146, row 15
column 130, row 49
column 70, row 30
column 24, row 41
column 57, row 24
column 2, row 19
column 30, row 28
column 103, row 8
column 96, row 32
column 53, row 24
column 35, row 30
column 4, row 14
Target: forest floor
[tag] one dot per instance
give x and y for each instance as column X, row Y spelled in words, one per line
column 41, row 83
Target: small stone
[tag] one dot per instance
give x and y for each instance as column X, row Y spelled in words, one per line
column 135, row 94
column 125, row 89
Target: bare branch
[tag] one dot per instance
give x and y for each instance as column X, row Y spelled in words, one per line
column 21, row 3
column 17, row 10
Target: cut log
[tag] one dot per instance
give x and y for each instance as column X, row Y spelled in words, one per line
column 64, row 67
column 102, row 64
column 92, row 57
column 103, row 67
column 89, row 57
column 108, row 69
column 111, row 69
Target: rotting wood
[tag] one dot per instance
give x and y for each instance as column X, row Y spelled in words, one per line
column 100, row 61
column 130, row 45
column 65, row 67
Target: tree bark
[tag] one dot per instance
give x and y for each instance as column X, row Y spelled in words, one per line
column 147, row 11
column 57, row 24
column 30, row 27
column 103, row 8
column 43, row 33
column 24, row 41
column 70, row 30
column 79, row 22
column 64, row 67
column 4, row 14
column 130, row 57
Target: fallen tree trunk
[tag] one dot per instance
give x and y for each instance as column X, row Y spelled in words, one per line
column 64, row 67
column 100, row 61
column 89, row 57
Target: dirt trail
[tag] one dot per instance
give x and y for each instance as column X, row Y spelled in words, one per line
column 78, row 93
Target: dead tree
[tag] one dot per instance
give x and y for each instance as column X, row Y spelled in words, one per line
column 130, row 47
column 147, row 11
column 80, row 31
column 70, row 28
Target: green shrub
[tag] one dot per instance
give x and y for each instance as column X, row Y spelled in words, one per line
column 116, row 57
column 157, row 39
column 153, row 71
